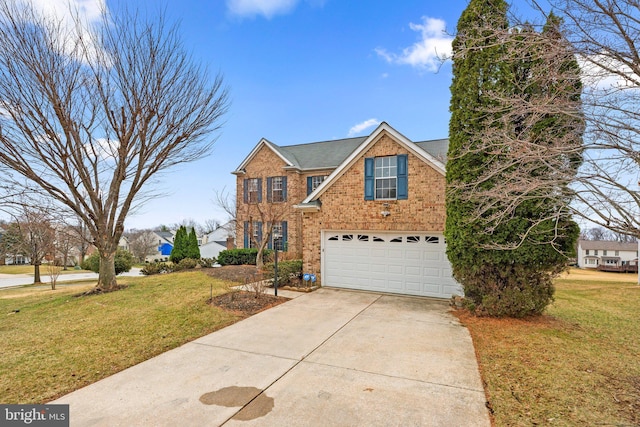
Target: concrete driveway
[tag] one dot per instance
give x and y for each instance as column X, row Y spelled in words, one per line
column 328, row 358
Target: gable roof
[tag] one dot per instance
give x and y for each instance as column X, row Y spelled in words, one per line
column 608, row 245
column 412, row 147
column 167, row 236
column 332, row 154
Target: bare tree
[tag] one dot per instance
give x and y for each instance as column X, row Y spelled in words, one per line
column 253, row 213
column 599, row 233
column 604, row 37
column 265, row 214
column 210, row 225
column 38, row 236
column 92, row 114
column 533, row 144
column 81, row 239
column 142, row 243
column 65, row 239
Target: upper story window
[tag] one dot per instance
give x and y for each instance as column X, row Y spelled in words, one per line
column 604, row 252
column 386, row 169
column 385, row 178
column 595, row 252
column 586, row 251
column 277, row 189
column 314, row 182
column 252, row 190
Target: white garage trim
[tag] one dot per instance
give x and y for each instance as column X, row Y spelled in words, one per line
column 410, row 263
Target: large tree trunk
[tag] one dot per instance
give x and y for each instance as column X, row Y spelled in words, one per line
column 107, row 280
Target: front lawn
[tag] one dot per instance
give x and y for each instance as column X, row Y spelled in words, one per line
column 54, row 342
column 577, row 365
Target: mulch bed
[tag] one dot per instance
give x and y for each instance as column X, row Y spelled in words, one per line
column 232, row 273
column 242, row 302
column 246, row 303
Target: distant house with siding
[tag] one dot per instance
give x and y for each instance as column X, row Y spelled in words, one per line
column 164, row 245
column 604, row 253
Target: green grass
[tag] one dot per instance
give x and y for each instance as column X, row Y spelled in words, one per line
column 577, row 365
column 59, row 342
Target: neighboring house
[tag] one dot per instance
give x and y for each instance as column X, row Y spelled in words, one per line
column 123, row 243
column 164, row 246
column 608, row 255
column 363, row 213
column 220, row 239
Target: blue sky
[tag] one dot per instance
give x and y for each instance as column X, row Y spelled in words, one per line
column 303, row 71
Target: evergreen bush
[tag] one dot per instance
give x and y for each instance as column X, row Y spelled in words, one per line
column 124, row 260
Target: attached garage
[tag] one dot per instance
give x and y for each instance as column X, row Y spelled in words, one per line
column 410, row 263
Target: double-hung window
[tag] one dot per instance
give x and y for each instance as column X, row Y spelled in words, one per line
column 277, row 189
column 314, row 182
column 278, row 238
column 252, row 234
column 385, row 178
column 253, row 190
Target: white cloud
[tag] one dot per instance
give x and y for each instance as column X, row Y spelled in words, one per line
column 596, row 76
column 267, row 8
column 88, row 12
column 427, row 53
column 362, row 126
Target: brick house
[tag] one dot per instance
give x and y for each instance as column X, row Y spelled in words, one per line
column 363, row 213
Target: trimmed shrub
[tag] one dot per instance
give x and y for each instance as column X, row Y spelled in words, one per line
column 185, row 264
column 509, row 291
column 246, row 256
column 156, row 268
column 206, row 262
column 289, row 272
column 123, row 261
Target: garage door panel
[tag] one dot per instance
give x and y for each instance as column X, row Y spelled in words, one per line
column 414, row 286
column 395, row 253
column 395, row 284
column 363, row 267
column 378, row 268
column 432, row 272
column 378, row 284
column 411, row 263
column 412, row 270
column 413, row 254
column 431, row 256
column 395, row 269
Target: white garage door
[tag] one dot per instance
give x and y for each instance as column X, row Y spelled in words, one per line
column 411, row 263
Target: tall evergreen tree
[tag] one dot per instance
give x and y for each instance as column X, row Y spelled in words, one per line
column 193, row 251
column 180, row 244
column 505, row 250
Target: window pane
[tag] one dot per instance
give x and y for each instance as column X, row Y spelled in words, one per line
column 385, row 177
